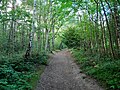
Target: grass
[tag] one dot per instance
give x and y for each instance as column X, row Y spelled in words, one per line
column 34, row 79
column 104, row 69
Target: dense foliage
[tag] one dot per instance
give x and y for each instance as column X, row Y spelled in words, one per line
column 98, row 64
column 95, row 40
column 21, row 48
column 104, row 69
column 30, row 29
column 17, row 72
column 72, row 37
column 90, row 53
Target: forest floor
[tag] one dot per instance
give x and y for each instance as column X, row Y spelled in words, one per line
column 62, row 73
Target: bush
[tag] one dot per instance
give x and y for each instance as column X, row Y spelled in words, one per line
column 72, row 37
column 15, row 71
column 104, row 69
column 37, row 58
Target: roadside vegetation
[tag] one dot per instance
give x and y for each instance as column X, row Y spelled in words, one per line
column 17, row 73
column 99, row 65
column 95, row 41
column 31, row 29
column 104, row 69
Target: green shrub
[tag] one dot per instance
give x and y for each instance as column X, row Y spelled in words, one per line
column 106, row 70
column 16, row 71
column 72, row 38
column 38, row 58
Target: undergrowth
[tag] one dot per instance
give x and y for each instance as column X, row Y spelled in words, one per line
column 16, row 72
column 35, row 77
column 104, row 69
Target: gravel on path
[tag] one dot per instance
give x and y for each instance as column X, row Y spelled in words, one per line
column 62, row 73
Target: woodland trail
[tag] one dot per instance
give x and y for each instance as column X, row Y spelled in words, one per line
column 62, row 73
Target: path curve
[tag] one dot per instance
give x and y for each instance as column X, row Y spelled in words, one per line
column 63, row 74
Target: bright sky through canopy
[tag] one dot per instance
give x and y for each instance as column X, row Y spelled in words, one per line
column 19, row 2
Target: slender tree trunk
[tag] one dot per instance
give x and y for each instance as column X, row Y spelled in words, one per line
column 53, row 38
column 117, row 18
column 110, row 36
column 39, row 40
column 13, row 28
column 43, row 38
column 23, row 38
column 47, row 39
column 39, row 29
column 102, row 37
column 30, row 46
column 52, row 25
column 96, row 26
column 114, row 15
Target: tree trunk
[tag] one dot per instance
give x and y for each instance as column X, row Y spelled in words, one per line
column 116, row 21
column 110, row 36
column 102, row 37
column 47, row 38
column 30, row 46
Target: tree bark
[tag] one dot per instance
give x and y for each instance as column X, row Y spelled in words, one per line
column 116, row 21
column 30, row 46
column 110, row 36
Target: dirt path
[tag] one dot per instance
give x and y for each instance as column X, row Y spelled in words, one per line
column 63, row 74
